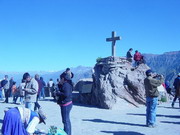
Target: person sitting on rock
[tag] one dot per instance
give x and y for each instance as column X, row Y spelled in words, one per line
column 21, row 121
column 129, row 55
column 138, row 58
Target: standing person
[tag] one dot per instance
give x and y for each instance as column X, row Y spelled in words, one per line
column 137, row 58
column 31, row 90
column 5, row 86
column 37, row 105
column 151, row 83
column 21, row 91
column 65, row 102
column 15, row 92
column 50, row 87
column 129, row 55
column 1, row 95
column 11, row 81
column 69, row 75
column 42, row 94
column 21, row 121
column 176, row 85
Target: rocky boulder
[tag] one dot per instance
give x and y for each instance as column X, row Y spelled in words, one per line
column 116, row 83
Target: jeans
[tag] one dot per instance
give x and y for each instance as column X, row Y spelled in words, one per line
column 42, row 94
column 30, row 105
column 1, row 95
column 65, row 113
column 151, row 104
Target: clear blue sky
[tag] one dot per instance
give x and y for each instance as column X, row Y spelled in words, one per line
column 44, row 35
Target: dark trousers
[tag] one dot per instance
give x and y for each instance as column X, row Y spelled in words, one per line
column 6, row 95
column 175, row 98
column 37, row 105
column 65, row 113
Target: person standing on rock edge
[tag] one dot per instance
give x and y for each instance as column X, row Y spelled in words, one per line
column 65, row 101
column 151, row 83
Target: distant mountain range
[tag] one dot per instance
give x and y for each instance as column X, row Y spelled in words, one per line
column 79, row 72
column 167, row 64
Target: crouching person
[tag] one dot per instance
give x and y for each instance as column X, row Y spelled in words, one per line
column 21, row 121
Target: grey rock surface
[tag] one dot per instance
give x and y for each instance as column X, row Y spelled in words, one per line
column 116, row 82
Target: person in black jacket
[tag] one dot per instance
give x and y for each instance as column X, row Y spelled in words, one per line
column 65, row 101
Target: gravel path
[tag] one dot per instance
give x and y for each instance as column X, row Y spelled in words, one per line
column 89, row 120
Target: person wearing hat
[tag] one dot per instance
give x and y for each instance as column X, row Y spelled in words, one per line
column 31, row 90
column 151, row 83
column 21, row 121
column 176, row 85
column 65, row 101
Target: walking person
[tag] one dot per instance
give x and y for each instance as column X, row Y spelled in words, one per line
column 31, row 90
column 21, row 121
column 176, row 85
column 5, row 86
column 151, row 83
column 65, row 101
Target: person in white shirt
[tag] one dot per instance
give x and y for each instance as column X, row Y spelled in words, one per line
column 21, row 121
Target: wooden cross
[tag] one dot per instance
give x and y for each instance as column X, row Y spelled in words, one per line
column 113, row 40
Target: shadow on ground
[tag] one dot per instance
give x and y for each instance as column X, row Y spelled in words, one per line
column 168, row 107
column 158, row 115
column 113, row 122
column 169, row 122
column 122, row 133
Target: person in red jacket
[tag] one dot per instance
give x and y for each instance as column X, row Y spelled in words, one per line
column 137, row 57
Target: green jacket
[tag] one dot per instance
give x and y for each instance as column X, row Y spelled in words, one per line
column 151, row 85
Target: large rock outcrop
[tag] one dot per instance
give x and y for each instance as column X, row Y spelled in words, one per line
column 116, row 82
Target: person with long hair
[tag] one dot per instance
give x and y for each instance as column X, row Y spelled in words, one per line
column 65, row 101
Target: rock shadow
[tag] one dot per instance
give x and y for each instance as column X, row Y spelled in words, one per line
column 158, row 115
column 122, row 132
column 170, row 122
column 113, row 122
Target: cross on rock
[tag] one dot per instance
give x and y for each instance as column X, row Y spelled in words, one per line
column 113, row 40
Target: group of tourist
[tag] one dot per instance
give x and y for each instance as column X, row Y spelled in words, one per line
column 28, row 117
column 138, row 57
column 23, row 120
